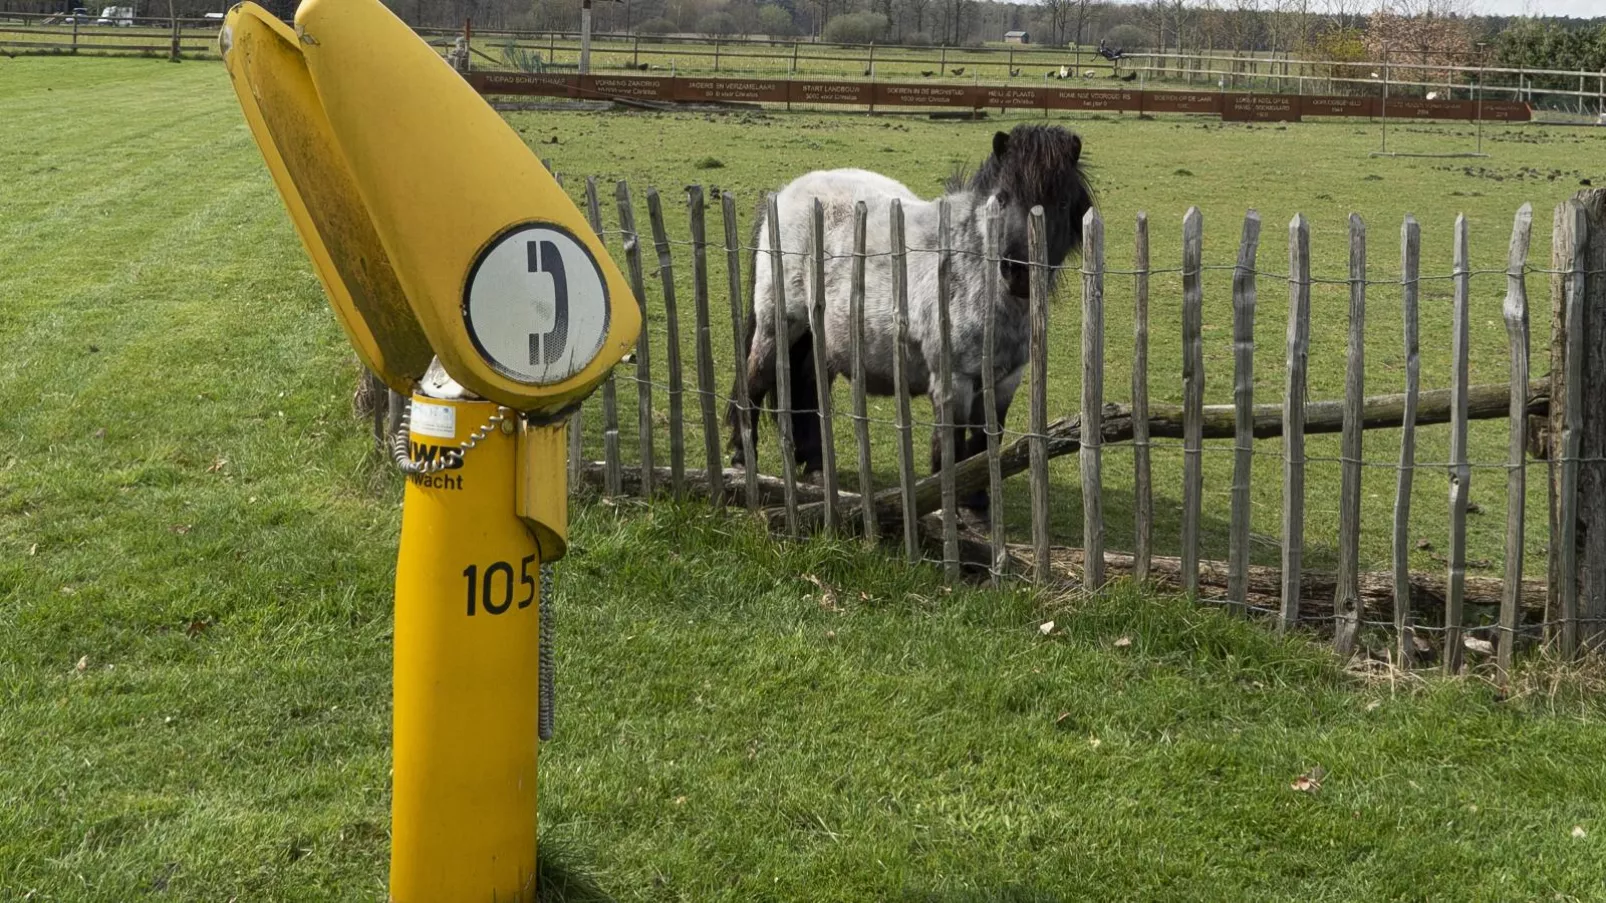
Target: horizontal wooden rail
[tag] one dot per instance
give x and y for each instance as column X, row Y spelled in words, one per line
column 880, row 94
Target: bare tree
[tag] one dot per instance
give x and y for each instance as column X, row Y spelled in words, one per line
column 1058, row 13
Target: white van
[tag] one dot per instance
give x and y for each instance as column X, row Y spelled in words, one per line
column 116, row 15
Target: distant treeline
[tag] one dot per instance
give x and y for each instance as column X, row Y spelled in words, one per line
column 1426, row 31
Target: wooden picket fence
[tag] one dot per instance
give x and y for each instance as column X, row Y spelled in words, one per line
column 920, row 514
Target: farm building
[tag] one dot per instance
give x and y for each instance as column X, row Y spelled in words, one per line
column 1017, row 37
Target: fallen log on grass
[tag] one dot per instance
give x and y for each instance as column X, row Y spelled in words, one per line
column 1064, row 436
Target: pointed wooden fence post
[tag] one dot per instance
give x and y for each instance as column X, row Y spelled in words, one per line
column 1410, row 267
column 1243, row 397
column 1143, row 504
column 712, row 464
column 1515, row 310
column 861, row 408
column 989, row 392
column 677, row 385
column 822, row 364
column 1460, row 471
column 1037, row 252
column 742, row 405
column 946, row 412
column 1192, row 396
column 612, row 476
column 632, row 245
column 1092, row 400
column 1294, row 417
column 783, row 364
column 900, row 382
column 1347, row 594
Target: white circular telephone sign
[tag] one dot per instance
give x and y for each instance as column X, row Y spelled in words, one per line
column 536, row 304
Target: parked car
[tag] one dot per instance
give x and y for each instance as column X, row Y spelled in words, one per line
column 79, row 16
column 116, row 15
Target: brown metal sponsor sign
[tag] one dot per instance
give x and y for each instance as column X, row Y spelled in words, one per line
column 1410, row 108
column 1091, row 99
column 858, row 93
column 1181, row 101
column 1503, row 110
column 638, row 87
column 892, row 94
column 527, row 83
column 1010, row 98
column 718, row 90
column 1338, row 106
column 1260, row 108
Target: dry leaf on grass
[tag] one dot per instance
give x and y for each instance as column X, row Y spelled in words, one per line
column 1123, row 642
column 83, row 665
column 828, row 596
column 1045, row 628
column 1579, row 832
column 1310, row 781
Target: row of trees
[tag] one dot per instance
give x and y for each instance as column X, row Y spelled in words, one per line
column 1532, row 44
column 1339, row 30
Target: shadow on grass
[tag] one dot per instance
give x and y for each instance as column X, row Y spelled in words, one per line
column 561, row 878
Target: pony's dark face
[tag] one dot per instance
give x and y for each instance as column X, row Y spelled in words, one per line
column 1036, row 166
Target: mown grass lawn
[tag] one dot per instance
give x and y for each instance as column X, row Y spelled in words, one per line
column 196, row 553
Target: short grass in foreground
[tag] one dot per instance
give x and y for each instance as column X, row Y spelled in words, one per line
column 195, row 563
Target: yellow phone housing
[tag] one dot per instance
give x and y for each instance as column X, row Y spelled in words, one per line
column 503, row 277
column 264, row 61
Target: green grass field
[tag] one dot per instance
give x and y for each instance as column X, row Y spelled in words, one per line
column 196, row 553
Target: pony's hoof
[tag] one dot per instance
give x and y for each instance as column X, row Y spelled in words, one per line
column 977, row 502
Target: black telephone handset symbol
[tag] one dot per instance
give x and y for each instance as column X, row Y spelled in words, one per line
column 546, row 347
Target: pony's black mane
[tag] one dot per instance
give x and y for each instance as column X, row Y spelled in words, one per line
column 1040, row 166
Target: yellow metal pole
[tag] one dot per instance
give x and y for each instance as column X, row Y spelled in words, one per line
column 467, row 649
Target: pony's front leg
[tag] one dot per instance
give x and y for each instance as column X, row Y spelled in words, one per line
column 957, row 414
column 976, row 430
column 760, row 386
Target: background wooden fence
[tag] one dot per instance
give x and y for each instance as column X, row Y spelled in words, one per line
column 1551, row 427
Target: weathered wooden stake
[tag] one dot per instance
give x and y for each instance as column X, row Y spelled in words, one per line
column 946, row 412
column 1516, row 315
column 822, row 366
column 742, row 409
column 632, row 245
column 1143, row 504
column 1410, row 268
column 1192, row 396
column 1243, row 397
column 612, row 479
column 900, row 382
column 1460, row 471
column 861, row 408
column 1573, row 241
column 1294, row 417
column 783, row 364
column 1092, row 399
column 705, row 342
column 989, row 391
column 677, row 384
column 1347, row 594
column 1037, row 251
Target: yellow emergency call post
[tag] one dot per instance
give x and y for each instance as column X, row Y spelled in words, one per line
column 437, row 234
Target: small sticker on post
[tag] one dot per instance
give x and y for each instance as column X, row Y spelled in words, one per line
column 438, row 420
